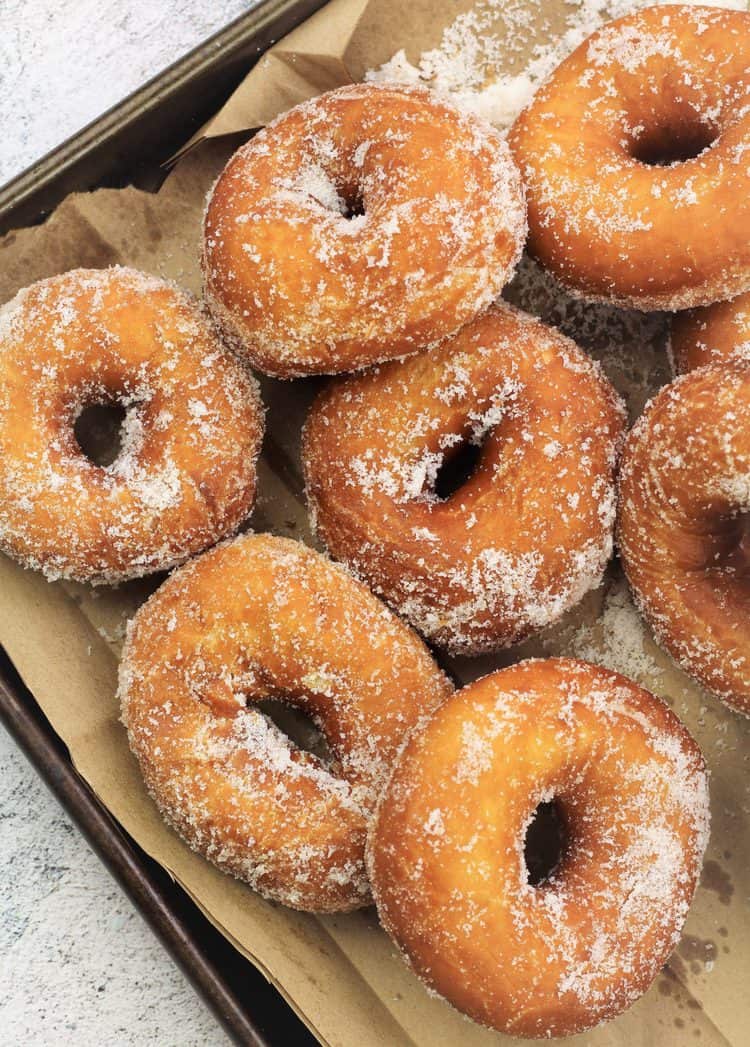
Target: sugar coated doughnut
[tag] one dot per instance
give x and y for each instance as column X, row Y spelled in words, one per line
column 634, row 155
column 360, row 226
column 712, row 335
column 185, row 474
column 683, row 525
column 530, row 530
column 266, row 618
column 446, row 852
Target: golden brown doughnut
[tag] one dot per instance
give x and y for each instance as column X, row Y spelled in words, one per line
column 446, row 848
column 683, row 525
column 711, row 335
column 526, row 535
column 258, row 618
column 185, row 474
column 366, row 224
column 609, row 214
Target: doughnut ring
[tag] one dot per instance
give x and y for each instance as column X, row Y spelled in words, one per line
column 530, row 530
column 712, row 335
column 366, row 224
column 446, row 852
column 634, row 155
column 185, row 475
column 267, row 618
column 682, row 525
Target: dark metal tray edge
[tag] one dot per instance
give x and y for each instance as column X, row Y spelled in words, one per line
column 198, row 83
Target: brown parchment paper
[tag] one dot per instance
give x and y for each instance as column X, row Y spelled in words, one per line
column 343, row 40
column 341, row 974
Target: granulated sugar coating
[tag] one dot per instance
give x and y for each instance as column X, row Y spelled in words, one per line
column 258, row 618
column 185, row 474
column 446, row 852
column 618, row 639
column 364, row 225
column 682, row 522
column 711, row 335
column 636, row 149
column 530, row 530
column 470, row 65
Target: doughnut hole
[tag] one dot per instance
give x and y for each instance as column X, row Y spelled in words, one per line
column 113, row 422
column 303, row 714
column 469, row 445
column 546, row 842
column 458, row 466
column 285, row 710
column 300, row 728
column 335, row 190
column 98, row 431
column 353, row 202
column 727, row 549
column 666, row 143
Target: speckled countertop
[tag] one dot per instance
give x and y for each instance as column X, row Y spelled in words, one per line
column 78, row 965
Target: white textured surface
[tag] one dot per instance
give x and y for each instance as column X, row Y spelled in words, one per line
column 63, row 64
column 77, row 962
